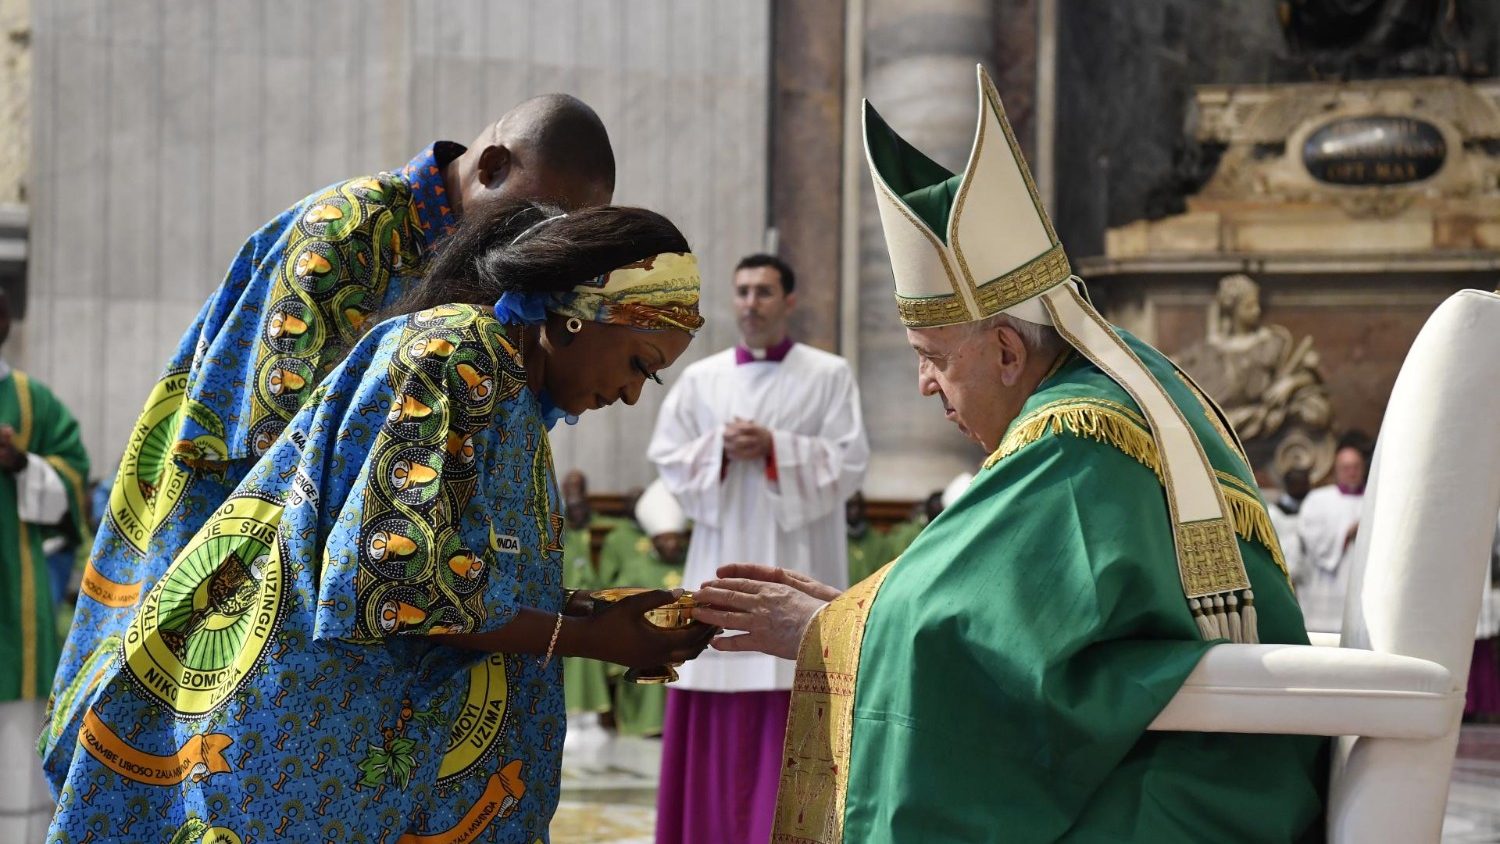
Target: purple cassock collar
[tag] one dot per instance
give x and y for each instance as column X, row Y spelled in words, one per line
column 775, row 354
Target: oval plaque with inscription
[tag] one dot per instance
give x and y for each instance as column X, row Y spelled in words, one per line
column 1374, row 150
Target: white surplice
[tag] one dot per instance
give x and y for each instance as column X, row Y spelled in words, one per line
column 1323, row 523
column 810, row 403
column 1288, row 536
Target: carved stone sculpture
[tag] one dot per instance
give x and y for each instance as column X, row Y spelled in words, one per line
column 1267, row 384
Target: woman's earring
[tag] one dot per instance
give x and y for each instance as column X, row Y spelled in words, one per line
column 574, row 325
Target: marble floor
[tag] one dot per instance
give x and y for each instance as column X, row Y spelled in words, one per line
column 609, row 789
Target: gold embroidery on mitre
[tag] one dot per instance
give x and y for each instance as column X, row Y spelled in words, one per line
column 1032, row 278
column 993, row 96
column 931, row 311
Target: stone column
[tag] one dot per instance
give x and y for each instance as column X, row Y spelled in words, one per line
column 919, row 58
column 807, row 86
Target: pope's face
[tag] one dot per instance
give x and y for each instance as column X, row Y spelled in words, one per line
column 975, row 374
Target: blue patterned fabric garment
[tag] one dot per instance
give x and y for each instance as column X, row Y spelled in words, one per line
column 295, row 298
column 282, row 680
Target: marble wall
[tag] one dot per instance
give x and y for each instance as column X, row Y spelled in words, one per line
column 171, row 129
column 1125, row 73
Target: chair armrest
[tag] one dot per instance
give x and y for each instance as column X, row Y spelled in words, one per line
column 1323, row 640
column 1321, row 691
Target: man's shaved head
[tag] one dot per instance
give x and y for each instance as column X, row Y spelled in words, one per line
column 551, row 149
column 564, row 133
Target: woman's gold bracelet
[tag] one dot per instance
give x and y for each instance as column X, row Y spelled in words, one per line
column 552, row 645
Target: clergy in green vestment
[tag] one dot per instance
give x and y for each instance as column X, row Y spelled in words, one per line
column 624, row 540
column 653, row 561
column 997, row 681
column 585, row 681
column 869, row 549
column 903, row 534
column 42, row 472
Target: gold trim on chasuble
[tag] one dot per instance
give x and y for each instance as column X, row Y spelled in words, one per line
column 1120, row 427
column 820, row 724
column 28, row 565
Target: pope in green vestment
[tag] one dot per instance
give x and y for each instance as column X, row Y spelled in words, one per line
column 1014, row 657
column 997, row 682
column 42, row 428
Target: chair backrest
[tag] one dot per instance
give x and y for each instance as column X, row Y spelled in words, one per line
column 1429, row 512
column 1423, row 546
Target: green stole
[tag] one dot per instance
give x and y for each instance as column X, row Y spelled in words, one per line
column 996, row 682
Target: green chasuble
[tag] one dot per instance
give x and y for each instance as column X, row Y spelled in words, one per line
column 585, row 681
column 639, row 709
column 901, row 537
column 624, row 542
column 868, row 553
column 29, row 643
column 1012, row 659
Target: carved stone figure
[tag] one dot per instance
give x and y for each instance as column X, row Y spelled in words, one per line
column 1268, row 385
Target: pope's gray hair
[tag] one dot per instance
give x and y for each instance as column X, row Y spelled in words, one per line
column 1038, row 339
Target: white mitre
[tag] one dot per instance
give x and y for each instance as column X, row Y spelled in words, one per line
column 657, row 511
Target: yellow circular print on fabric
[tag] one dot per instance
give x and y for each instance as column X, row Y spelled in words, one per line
column 150, row 482
column 205, row 625
column 481, row 721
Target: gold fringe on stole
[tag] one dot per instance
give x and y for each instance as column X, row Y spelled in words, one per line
column 1223, row 615
column 1116, row 425
column 820, row 725
column 1251, row 520
column 1107, row 422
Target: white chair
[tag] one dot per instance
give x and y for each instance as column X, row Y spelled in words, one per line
column 1393, row 688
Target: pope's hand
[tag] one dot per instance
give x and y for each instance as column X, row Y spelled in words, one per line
column 771, row 606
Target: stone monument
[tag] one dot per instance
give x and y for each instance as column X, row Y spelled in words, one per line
column 1266, row 382
column 1357, row 206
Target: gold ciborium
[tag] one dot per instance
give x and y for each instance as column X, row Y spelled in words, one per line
column 676, row 614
